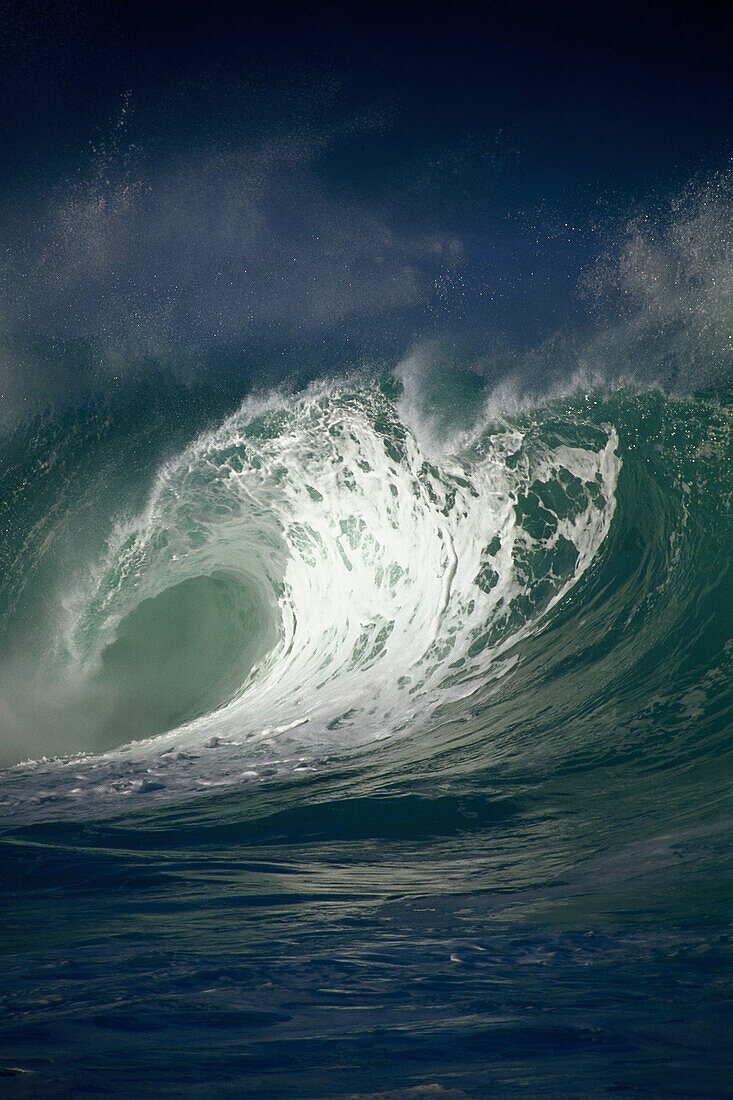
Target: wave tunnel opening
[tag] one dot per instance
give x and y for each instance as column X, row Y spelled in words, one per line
column 180, row 655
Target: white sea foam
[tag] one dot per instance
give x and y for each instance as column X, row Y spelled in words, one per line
column 376, row 581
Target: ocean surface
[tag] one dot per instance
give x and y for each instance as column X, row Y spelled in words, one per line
column 367, row 736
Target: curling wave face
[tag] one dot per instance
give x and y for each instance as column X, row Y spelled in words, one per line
column 307, row 562
column 312, row 563
column 337, row 578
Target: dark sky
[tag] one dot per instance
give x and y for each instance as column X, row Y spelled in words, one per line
column 224, row 171
column 592, row 87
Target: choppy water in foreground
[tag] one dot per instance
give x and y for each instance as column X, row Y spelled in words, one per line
column 433, row 796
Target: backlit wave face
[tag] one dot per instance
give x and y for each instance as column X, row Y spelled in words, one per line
column 310, row 566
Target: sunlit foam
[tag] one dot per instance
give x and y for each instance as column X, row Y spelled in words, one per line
column 309, row 566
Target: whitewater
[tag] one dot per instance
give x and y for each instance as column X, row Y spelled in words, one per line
column 310, row 563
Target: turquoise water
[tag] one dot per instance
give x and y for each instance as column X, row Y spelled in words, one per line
column 368, row 738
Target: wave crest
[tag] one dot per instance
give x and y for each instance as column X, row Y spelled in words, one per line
column 309, row 561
